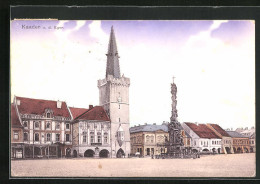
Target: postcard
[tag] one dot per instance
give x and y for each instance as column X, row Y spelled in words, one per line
column 132, row 98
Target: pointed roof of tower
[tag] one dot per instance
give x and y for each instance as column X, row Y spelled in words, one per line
column 113, row 67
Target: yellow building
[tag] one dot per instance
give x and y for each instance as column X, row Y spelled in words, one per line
column 148, row 139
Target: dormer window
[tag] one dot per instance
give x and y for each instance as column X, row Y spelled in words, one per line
column 25, row 124
column 48, row 115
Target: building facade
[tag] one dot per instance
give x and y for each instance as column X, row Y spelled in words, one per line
column 17, row 144
column 240, row 143
column 226, row 146
column 91, row 133
column 203, row 138
column 149, row 139
column 46, row 127
column 114, row 97
column 250, row 133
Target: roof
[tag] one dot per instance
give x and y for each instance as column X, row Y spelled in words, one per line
column 95, row 113
column 220, row 130
column 113, row 67
column 235, row 134
column 187, row 135
column 38, row 106
column 202, row 131
column 14, row 117
column 148, row 128
column 77, row 111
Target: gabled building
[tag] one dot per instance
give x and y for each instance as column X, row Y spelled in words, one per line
column 45, row 127
column 226, row 146
column 240, row 143
column 203, row 138
column 91, row 134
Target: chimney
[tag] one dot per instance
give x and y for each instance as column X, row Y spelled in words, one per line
column 246, row 128
column 18, row 102
column 252, row 127
column 154, row 123
column 196, row 123
column 134, row 125
column 59, row 103
column 138, row 124
column 231, row 128
column 90, row 106
column 145, row 124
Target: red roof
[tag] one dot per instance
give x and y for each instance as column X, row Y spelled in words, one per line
column 36, row 106
column 14, row 117
column 77, row 111
column 95, row 113
column 202, row 131
column 219, row 130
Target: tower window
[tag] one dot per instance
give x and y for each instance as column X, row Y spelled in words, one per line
column 118, row 119
column 119, row 106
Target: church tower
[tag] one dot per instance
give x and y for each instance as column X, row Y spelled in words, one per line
column 114, row 97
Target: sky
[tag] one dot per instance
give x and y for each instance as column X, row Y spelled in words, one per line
column 213, row 62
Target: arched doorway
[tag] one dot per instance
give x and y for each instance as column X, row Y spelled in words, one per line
column 214, row 150
column 75, row 153
column 103, row 153
column 59, row 152
column 219, row 150
column 246, row 150
column 194, row 151
column 120, row 153
column 228, row 150
column 235, row 150
column 251, row 150
column 205, row 149
column 27, row 152
column 68, row 152
column 239, row 150
column 89, row 153
column 37, row 151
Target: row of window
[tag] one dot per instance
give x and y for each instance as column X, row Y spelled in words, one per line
column 48, row 137
column 240, row 142
column 93, row 126
column 216, row 142
column 149, row 139
column 36, row 125
column 92, row 137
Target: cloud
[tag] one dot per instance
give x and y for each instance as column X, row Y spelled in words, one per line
column 216, row 24
column 97, row 32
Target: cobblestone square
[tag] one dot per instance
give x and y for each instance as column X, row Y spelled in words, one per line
column 230, row 165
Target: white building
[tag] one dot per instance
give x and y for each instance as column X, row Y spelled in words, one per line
column 203, row 138
column 91, row 132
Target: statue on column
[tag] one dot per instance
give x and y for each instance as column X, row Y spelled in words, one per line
column 174, row 127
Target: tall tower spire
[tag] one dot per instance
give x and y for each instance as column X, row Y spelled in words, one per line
column 113, row 67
